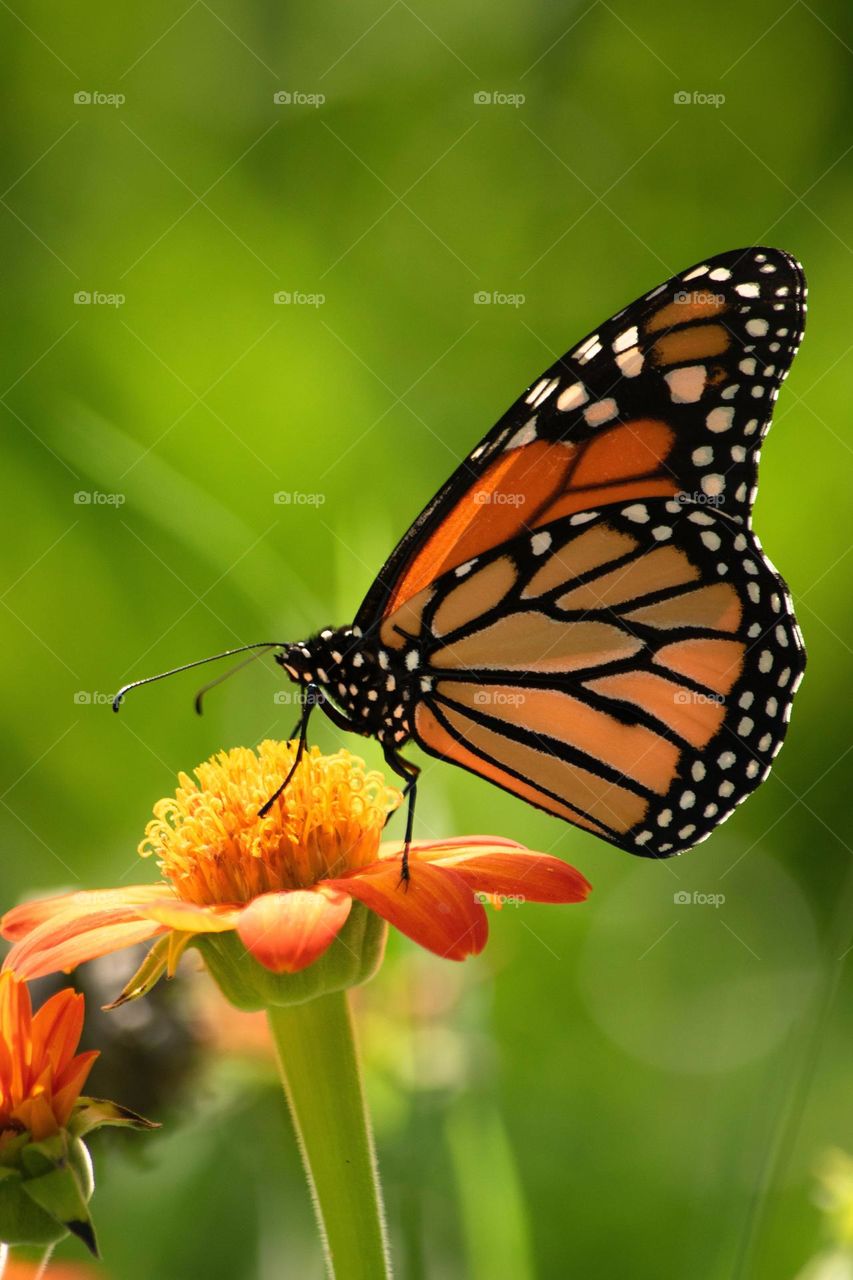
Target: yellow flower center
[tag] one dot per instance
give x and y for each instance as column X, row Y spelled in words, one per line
column 213, row 847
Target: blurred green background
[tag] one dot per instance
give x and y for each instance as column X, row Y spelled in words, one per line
column 631, row 1087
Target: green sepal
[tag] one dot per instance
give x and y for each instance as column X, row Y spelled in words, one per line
column 10, row 1151
column 59, row 1193
column 147, row 975
column 40, row 1157
column 352, row 959
column 45, row 1195
column 91, row 1113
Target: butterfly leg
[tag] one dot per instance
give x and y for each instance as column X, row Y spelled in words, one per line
column 410, row 773
column 338, row 719
column 310, row 701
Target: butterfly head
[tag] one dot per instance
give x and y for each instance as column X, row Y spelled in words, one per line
column 299, row 661
column 319, row 659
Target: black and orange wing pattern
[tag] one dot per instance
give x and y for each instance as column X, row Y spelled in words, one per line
column 629, row 669
column 598, row 630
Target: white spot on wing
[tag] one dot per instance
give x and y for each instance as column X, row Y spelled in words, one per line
column 628, row 338
column 603, row 411
column 545, row 392
column 720, row 419
column 687, row 384
column 585, row 347
column 524, row 435
column 532, row 395
column 630, row 362
column 572, row 398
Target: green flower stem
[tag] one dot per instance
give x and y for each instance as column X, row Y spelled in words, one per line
column 45, row 1262
column 319, row 1066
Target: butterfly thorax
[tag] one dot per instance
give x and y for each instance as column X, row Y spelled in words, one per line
column 370, row 685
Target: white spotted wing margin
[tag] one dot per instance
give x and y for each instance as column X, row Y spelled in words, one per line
column 630, row 670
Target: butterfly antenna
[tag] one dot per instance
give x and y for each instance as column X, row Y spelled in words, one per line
column 226, row 675
column 188, row 666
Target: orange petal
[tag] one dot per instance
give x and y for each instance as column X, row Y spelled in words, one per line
column 532, row 877
column 36, row 1114
column 286, row 932
column 189, row 917
column 22, row 919
column 68, row 1087
column 429, row 850
column 16, row 1029
column 436, row 908
column 63, row 942
column 57, row 1027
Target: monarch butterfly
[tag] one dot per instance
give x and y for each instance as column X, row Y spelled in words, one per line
column 582, row 615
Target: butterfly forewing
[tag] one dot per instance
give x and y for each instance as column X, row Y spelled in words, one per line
column 672, row 396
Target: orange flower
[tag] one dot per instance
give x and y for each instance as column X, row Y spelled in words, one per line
column 286, row 882
column 40, row 1077
column 20, row 1269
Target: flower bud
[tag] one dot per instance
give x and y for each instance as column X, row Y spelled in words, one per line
column 45, row 1188
column 352, row 959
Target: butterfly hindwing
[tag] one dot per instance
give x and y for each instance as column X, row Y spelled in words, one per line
column 630, row 669
column 672, row 396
